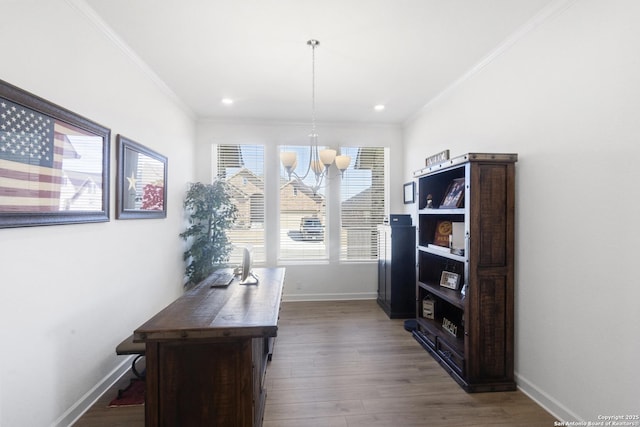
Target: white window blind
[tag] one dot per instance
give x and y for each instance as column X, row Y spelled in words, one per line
column 242, row 167
column 303, row 234
column 362, row 205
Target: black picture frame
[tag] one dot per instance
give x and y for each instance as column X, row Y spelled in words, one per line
column 409, row 192
column 141, row 188
column 54, row 163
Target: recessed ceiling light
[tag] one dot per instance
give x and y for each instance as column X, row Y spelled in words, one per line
column 227, row 101
column 379, row 107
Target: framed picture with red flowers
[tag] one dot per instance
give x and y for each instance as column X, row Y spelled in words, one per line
column 141, row 187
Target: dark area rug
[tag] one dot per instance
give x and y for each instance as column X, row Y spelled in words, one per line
column 132, row 395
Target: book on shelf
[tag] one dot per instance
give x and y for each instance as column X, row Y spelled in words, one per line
column 439, row 248
column 443, row 231
column 457, row 237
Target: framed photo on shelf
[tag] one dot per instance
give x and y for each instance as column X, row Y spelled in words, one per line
column 141, row 181
column 454, row 196
column 449, row 280
column 409, row 192
column 428, row 307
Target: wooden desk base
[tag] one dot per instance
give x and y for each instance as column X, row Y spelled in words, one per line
column 207, row 354
column 211, row 383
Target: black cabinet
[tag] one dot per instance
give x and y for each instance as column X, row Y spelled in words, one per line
column 397, row 270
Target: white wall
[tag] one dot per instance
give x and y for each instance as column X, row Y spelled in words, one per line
column 566, row 98
column 332, row 279
column 69, row 294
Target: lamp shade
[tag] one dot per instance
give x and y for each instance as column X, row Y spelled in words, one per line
column 288, row 159
column 342, row 162
column 327, row 156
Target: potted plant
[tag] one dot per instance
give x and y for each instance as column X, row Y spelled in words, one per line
column 211, row 214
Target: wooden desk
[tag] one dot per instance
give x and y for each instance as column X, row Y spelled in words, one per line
column 207, row 354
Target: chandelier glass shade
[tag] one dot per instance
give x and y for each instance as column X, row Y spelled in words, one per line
column 319, row 160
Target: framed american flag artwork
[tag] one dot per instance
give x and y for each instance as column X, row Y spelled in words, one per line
column 54, row 164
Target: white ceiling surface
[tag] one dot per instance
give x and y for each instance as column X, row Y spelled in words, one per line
column 401, row 53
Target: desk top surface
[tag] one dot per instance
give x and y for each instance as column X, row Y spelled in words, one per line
column 234, row 311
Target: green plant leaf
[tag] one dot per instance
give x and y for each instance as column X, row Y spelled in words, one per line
column 211, row 214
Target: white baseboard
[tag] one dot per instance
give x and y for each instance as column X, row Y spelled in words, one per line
column 72, row 414
column 329, row 297
column 551, row 405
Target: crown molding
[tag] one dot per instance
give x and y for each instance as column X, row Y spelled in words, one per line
column 117, row 41
column 550, row 10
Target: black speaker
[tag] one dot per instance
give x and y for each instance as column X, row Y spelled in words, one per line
column 398, row 219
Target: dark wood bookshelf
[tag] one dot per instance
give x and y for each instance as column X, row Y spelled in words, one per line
column 477, row 360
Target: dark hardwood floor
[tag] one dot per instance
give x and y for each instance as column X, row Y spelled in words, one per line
column 345, row 364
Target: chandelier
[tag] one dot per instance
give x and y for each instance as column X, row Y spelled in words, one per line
column 319, row 160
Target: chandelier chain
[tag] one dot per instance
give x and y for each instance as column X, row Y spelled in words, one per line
column 313, row 43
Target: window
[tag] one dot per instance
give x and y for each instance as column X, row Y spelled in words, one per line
column 347, row 210
column 242, row 167
column 362, row 202
column 302, row 213
column 306, row 225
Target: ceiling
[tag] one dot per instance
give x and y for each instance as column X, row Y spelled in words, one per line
column 400, row 53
